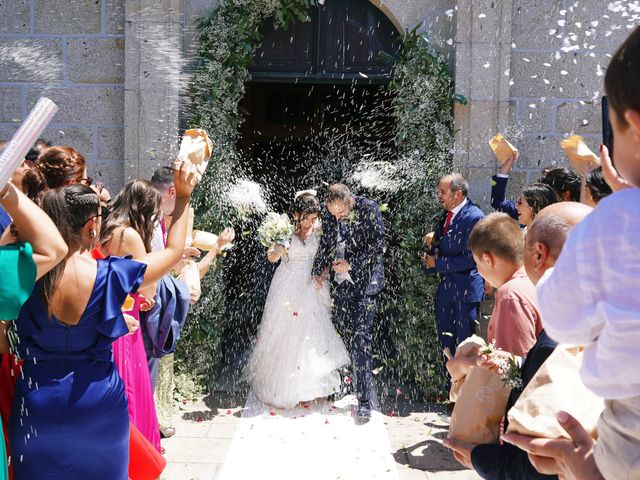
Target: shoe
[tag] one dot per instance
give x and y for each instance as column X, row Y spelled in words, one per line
column 364, row 412
column 167, row 432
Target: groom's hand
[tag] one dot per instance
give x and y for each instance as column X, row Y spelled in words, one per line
column 341, row 266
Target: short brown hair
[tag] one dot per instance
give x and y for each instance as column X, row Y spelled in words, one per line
column 500, row 235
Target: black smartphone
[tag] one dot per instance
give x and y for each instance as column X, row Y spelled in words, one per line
column 607, row 131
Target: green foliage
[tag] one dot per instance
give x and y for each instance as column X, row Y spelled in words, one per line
column 424, row 139
column 423, row 89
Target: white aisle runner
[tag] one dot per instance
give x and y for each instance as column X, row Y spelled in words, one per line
column 319, row 441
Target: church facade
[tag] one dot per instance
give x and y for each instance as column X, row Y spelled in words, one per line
column 530, row 69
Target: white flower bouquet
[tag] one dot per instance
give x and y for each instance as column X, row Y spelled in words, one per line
column 276, row 229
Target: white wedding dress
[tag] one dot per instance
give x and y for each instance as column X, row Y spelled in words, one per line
column 297, row 353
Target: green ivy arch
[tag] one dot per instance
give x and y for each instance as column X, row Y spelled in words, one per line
column 423, row 88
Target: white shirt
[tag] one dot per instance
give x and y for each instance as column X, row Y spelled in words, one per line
column 157, row 240
column 456, row 210
column 592, row 297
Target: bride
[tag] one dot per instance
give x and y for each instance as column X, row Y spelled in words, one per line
column 297, row 353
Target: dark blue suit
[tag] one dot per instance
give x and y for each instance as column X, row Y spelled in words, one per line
column 461, row 287
column 508, row 462
column 355, row 303
column 498, row 194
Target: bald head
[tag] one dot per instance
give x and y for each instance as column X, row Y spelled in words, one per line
column 547, row 234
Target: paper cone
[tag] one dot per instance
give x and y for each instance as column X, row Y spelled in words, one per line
column 196, row 148
column 555, row 386
column 204, row 240
column 579, row 155
column 502, row 149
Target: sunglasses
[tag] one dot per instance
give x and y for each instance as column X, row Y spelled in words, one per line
column 103, row 215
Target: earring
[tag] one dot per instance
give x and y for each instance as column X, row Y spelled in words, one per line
column 92, row 233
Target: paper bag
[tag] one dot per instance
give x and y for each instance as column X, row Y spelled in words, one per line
column 196, row 149
column 579, row 155
column 469, row 347
column 479, row 408
column 556, row 386
column 190, row 275
column 204, row 240
column 502, row 149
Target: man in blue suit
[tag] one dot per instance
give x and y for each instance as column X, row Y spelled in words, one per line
column 461, row 287
column 352, row 251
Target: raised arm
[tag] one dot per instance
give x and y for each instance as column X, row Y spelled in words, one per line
column 34, row 227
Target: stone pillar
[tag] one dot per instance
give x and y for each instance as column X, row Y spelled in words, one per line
column 154, row 83
column 482, row 64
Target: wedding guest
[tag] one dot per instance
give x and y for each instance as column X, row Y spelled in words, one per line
column 596, row 188
column 69, row 366
column 18, row 175
column 56, row 167
column 21, row 264
column 545, row 238
column 497, row 245
column 534, row 198
column 461, row 287
column 604, row 308
column 128, row 231
column 563, row 181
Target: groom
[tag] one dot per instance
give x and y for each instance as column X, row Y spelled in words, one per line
column 351, row 250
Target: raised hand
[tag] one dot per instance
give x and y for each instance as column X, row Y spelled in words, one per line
column 184, row 179
column 506, row 167
column 226, row 237
column 610, row 174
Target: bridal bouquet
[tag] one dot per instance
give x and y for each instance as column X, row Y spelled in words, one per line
column 275, row 230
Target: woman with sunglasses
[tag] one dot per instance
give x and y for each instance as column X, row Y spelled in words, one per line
column 70, row 417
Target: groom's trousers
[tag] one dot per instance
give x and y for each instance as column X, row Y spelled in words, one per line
column 354, row 319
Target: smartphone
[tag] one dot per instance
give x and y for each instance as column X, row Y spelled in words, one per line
column 607, row 131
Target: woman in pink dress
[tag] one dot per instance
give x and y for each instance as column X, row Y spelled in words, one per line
column 128, row 231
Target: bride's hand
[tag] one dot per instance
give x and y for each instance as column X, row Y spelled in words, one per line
column 275, row 252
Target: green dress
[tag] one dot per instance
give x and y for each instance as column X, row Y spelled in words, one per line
column 17, row 277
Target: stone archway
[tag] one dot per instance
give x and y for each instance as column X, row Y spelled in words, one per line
column 152, row 100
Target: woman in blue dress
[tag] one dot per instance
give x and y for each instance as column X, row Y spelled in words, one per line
column 70, row 418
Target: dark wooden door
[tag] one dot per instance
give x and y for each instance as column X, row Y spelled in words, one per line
column 345, row 41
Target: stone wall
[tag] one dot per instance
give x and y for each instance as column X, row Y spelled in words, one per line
column 532, row 70
column 71, row 51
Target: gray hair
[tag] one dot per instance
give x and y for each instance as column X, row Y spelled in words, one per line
column 458, row 183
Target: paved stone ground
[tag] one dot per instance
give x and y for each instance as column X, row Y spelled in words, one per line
column 205, row 429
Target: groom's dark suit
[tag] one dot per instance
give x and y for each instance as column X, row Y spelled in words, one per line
column 355, row 303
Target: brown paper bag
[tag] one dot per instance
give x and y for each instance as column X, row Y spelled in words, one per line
column 196, row 149
column 556, row 386
column 190, row 275
column 502, row 149
column 582, row 159
column 469, row 347
column 479, row 408
column 204, row 240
